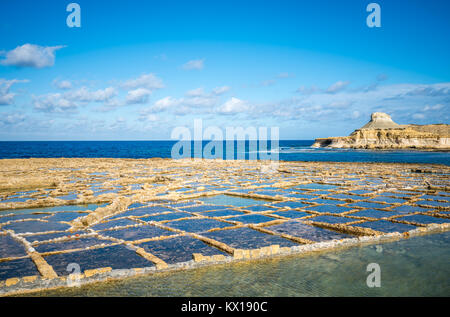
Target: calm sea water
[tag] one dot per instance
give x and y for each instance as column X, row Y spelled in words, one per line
column 297, row 150
column 413, row 267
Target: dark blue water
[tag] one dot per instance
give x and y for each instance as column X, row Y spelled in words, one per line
column 298, row 150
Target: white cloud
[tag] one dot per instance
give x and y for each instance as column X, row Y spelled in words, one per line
column 418, row 116
column 62, row 84
column 149, row 117
column 138, row 96
column 196, row 64
column 233, row 105
column 196, row 92
column 11, row 118
column 7, row 97
column 165, row 103
column 53, row 102
column 221, row 90
column 307, row 90
column 338, row 86
column 30, row 55
column 83, row 94
column 147, row 81
column 69, row 101
column 435, row 107
column 284, row 75
column 356, row 114
column 268, row 83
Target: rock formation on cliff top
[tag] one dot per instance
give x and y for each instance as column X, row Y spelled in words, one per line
column 383, row 133
column 381, row 120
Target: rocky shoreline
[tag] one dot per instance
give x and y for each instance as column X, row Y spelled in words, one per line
column 382, row 133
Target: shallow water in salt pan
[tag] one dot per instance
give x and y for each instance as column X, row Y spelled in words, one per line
column 337, row 273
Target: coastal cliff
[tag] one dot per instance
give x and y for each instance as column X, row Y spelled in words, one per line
column 383, row 133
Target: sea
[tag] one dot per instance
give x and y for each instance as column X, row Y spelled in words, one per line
column 287, row 150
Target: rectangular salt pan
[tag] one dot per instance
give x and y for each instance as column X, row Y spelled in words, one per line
column 36, row 226
column 9, row 247
column 17, row 268
column 331, row 219
column 254, row 219
column 386, row 226
column 116, row 257
column 231, row 200
column 197, row 225
column 373, row 213
column 80, row 243
column 246, row 238
column 291, row 214
column 309, row 232
column 137, row 233
column 423, row 219
column 329, row 208
column 169, row 216
column 178, row 249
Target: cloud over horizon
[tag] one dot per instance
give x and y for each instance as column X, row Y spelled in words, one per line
column 30, row 55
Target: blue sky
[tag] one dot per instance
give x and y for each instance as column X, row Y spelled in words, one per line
column 138, row 69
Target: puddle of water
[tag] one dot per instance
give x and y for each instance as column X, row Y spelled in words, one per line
column 9, row 247
column 290, row 204
column 315, row 186
column 197, row 225
column 309, row 232
column 423, row 219
column 331, row 219
column 169, row 216
column 326, row 201
column 432, row 203
column 15, row 268
column 389, row 200
column 113, row 223
column 203, row 208
column 89, row 207
column 408, row 209
column 386, row 226
column 344, row 196
column 116, row 257
column 300, row 196
column 143, row 211
column 136, row 205
column 329, row 208
column 21, row 217
column 178, row 249
column 365, row 204
column 222, row 213
column 246, row 238
column 360, row 191
column 247, row 219
column 71, row 196
column 49, row 236
column 137, row 233
column 66, row 216
column 258, row 208
column 291, row 214
column 230, row 200
column 35, row 226
column 15, row 200
column 70, row 244
column 373, row 213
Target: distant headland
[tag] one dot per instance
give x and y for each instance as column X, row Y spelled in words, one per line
column 383, row 133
